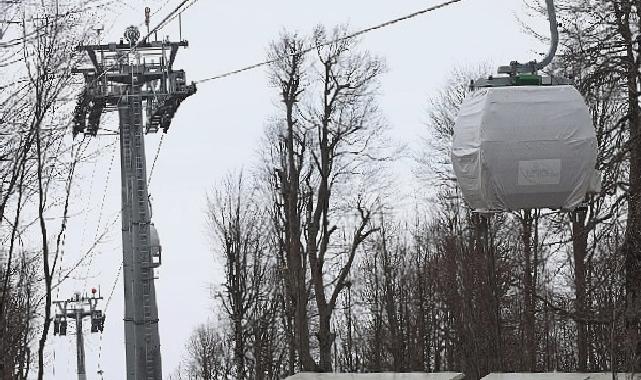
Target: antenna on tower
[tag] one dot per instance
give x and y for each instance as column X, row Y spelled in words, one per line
column 147, row 16
column 99, row 28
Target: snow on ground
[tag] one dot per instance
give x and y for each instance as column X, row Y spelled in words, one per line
column 380, row 376
column 560, row 376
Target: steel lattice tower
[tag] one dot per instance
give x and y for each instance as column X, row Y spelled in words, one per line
column 138, row 80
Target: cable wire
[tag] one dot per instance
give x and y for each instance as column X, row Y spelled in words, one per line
column 153, row 164
column 179, row 13
column 113, row 288
column 159, row 9
column 169, row 17
column 327, row 43
column 102, row 208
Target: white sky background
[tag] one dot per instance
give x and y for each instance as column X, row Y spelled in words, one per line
column 218, row 130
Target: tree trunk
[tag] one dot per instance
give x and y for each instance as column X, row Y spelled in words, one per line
column 325, row 340
column 301, row 326
column 290, row 184
column 390, row 299
column 529, row 320
column 486, row 251
column 350, row 346
column 631, row 248
column 579, row 246
column 239, row 348
column 632, row 243
column 45, row 260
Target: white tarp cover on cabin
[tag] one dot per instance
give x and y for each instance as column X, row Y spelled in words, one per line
column 524, row 147
column 560, row 376
column 377, row 376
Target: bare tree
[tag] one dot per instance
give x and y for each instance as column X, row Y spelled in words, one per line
column 34, row 122
column 207, row 352
column 288, row 155
column 20, row 296
column 237, row 222
column 324, row 146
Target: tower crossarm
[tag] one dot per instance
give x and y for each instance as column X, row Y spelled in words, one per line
column 147, row 66
column 140, row 46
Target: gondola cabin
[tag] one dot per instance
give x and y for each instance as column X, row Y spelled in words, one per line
column 524, row 146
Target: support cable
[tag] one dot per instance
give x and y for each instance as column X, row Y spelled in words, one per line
column 111, row 293
column 153, row 165
column 102, row 208
column 169, row 17
column 90, row 192
column 173, row 17
column 63, row 237
column 88, row 252
column 160, row 8
column 327, row 43
column 180, row 8
column 79, row 153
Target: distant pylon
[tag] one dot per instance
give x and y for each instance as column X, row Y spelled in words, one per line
column 77, row 308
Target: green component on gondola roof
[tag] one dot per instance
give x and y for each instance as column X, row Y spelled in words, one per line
column 528, row 80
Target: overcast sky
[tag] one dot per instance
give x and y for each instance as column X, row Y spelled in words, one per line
column 218, row 130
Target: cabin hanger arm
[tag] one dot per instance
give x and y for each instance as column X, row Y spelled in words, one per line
column 532, row 67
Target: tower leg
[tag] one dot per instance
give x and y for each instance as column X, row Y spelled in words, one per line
column 80, row 347
column 141, row 313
